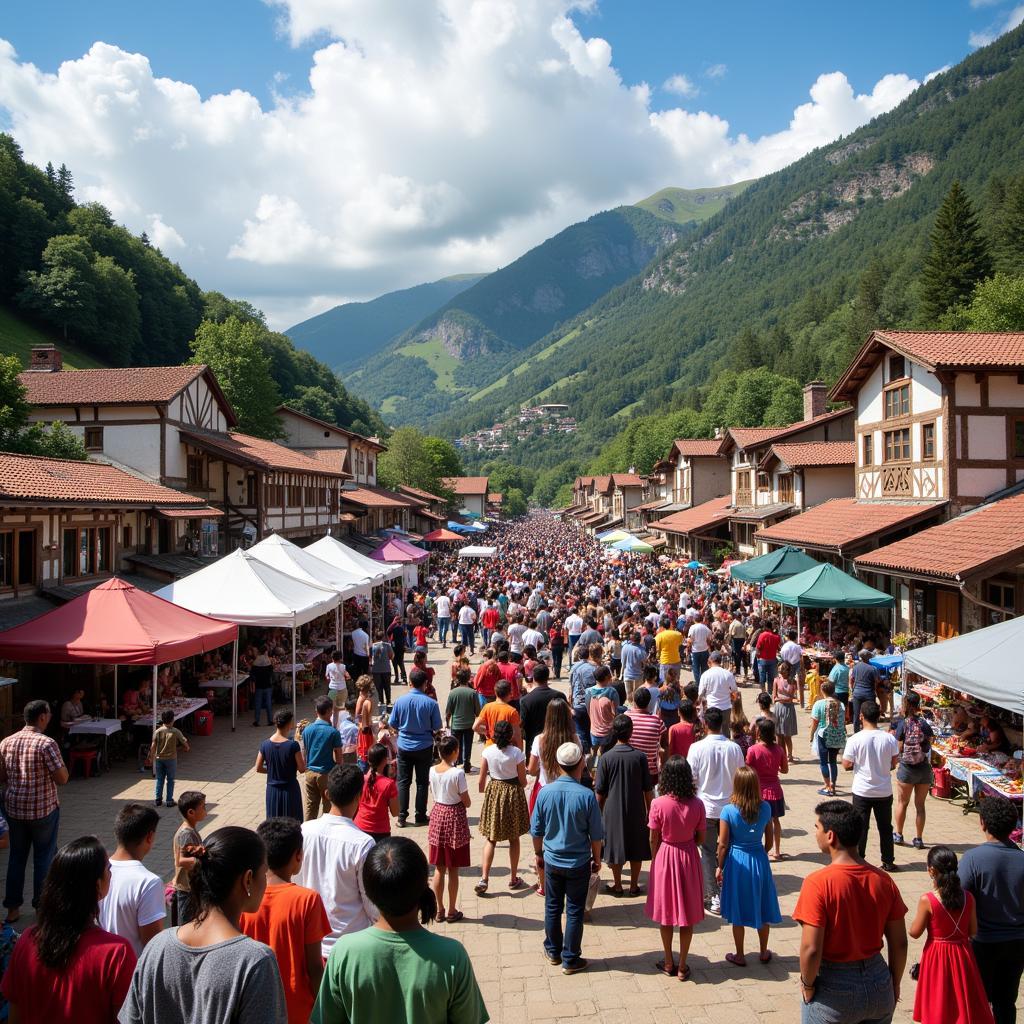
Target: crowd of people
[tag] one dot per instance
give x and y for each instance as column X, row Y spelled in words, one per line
column 645, row 763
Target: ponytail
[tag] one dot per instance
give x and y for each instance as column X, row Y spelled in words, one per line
column 225, row 856
column 942, row 861
column 832, row 712
column 374, row 756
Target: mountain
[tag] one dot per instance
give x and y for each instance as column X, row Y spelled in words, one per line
column 346, row 335
column 686, row 205
column 791, row 274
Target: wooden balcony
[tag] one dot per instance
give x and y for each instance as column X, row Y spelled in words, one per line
column 744, row 498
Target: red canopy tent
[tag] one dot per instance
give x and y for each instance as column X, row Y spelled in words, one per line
column 396, row 550
column 441, row 534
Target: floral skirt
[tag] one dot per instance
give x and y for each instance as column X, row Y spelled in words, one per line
column 504, row 814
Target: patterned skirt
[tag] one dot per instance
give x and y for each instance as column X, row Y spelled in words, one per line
column 448, row 836
column 504, row 814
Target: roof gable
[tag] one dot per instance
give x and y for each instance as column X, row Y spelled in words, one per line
column 806, row 454
column 466, row 485
column 755, row 437
column 287, row 410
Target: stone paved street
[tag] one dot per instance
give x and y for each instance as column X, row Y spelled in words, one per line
column 503, row 930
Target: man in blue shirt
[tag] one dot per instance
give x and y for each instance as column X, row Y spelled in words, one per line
column 416, row 717
column 321, row 743
column 567, row 833
column 634, row 657
column 581, row 679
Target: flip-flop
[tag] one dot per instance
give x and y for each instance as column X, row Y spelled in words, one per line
column 734, row 959
column 456, row 916
column 615, row 891
column 517, row 883
column 660, row 965
column 683, row 974
column 765, row 957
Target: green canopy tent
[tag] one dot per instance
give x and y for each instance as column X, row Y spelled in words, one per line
column 775, row 565
column 613, row 537
column 634, row 544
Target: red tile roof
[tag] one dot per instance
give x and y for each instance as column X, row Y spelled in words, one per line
column 377, row 497
column 839, row 523
column 129, row 385
column 495, row 498
column 335, row 459
column 698, row 446
column 462, row 485
column 256, row 451
column 626, row 480
column 697, row 519
column 746, row 437
column 647, row 506
column 416, row 492
column 814, row 453
column 962, row 547
column 601, row 483
column 30, row 478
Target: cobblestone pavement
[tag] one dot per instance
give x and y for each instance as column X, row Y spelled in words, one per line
column 503, row 930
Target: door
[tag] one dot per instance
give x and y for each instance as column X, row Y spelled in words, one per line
column 26, row 558
column 947, row 614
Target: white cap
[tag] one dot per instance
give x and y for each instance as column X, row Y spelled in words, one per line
column 568, row 755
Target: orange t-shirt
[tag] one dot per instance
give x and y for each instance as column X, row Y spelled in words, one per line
column 496, row 712
column 290, row 918
column 852, row 903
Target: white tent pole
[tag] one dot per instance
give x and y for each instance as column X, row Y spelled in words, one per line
column 155, row 695
column 295, row 703
column 234, row 683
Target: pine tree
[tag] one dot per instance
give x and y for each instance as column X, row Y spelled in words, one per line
column 66, row 184
column 1009, row 243
column 747, row 351
column 957, row 259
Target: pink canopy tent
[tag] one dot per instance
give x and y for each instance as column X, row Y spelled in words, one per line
column 396, row 550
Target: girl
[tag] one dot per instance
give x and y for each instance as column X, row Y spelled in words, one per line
column 768, row 758
column 829, row 728
column 784, row 694
column 740, row 733
column 559, row 728
column 683, row 734
column 448, row 837
column 379, row 802
column 280, row 759
column 949, row 986
column 749, row 899
column 669, row 698
column 504, row 814
column 675, row 891
column 764, row 711
column 365, row 711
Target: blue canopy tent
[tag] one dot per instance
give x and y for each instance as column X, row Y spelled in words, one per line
column 460, row 527
column 634, row 544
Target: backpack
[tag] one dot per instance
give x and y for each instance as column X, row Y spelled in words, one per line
column 834, row 734
column 913, row 741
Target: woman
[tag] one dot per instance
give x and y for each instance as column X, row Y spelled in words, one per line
column 207, row 970
column 280, row 759
column 65, row 967
column 749, row 899
column 559, row 728
column 768, row 758
column 675, row 892
column 914, row 770
column 557, row 640
column 784, row 695
column 396, row 634
column 366, row 709
column 829, row 732
column 504, row 814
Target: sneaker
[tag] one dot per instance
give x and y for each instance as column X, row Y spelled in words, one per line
column 918, row 843
column 889, row 867
column 158, row 803
column 715, row 906
column 897, row 838
column 555, row 961
column 402, row 822
column 423, row 821
column 577, row 965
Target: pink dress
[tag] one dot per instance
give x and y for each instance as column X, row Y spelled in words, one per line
column 675, row 891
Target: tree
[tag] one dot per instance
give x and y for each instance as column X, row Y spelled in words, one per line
column 957, row 259
column 16, row 434
column 514, row 503
column 313, row 401
column 408, row 461
column 444, row 455
column 64, row 291
column 746, row 350
column 1009, row 240
column 119, row 334
column 997, row 305
column 232, row 350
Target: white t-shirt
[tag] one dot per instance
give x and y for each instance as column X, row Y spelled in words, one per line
column 871, row 752
column 360, row 643
column 791, row 652
column 443, row 607
column 713, row 761
column 135, row 899
column 466, row 616
column 574, row 625
column 335, row 676
column 516, row 633
column 533, row 638
column 698, row 635
column 448, row 786
column 503, row 764
column 716, row 688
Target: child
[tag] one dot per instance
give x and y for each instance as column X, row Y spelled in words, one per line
column 419, row 662
column 349, row 729
column 740, row 733
column 337, row 683
column 949, row 986
column 163, row 751
column 813, row 683
column 448, row 837
column 669, row 697
column 683, row 734
column 192, row 805
column 419, row 635
column 459, row 660
column 365, row 710
column 379, row 802
column 764, row 710
column 291, row 919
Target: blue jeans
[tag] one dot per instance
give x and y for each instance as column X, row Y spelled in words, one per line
column 465, row 738
column 442, row 628
column 41, row 835
column 574, row 639
column 828, row 758
column 487, row 636
column 582, row 727
column 766, row 669
column 564, row 887
column 263, row 698
column 468, row 636
column 166, row 770
column 699, row 664
column 851, row 993
column 663, row 671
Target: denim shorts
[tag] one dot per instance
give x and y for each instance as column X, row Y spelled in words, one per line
column 851, row 993
column 914, row 774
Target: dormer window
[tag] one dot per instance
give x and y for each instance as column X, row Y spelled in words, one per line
column 897, row 367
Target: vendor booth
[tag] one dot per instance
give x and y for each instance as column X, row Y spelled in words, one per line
column 776, row 565
column 478, row 551
column 405, row 554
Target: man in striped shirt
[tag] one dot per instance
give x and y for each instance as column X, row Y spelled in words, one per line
column 649, row 733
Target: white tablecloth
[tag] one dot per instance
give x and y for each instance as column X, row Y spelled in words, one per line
column 179, row 712
column 96, row 727
column 220, row 684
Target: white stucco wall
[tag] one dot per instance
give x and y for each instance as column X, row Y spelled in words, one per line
column 986, row 437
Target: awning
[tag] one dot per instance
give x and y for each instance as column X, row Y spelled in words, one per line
column 776, row 565
column 759, row 513
column 699, row 519
column 825, row 586
column 478, row 551
column 196, row 512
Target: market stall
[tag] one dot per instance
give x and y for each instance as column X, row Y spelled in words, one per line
column 478, row 551
column 405, row 554
column 776, row 565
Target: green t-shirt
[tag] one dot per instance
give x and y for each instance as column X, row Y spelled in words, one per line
column 413, row 977
column 463, row 705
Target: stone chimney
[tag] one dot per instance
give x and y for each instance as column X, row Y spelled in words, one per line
column 814, row 399
column 45, row 358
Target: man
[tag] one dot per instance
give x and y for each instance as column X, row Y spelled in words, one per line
column 717, row 688
column 31, row 768
column 533, row 707
column 738, row 642
column 871, row 755
column 533, row 637
column 361, row 649
column 333, row 852
column 994, row 874
column 846, row 910
column 489, row 619
column 261, row 676
column 444, row 617
column 581, row 679
column 864, row 681
column 697, row 637
column 134, row 905
column 516, row 637
column 767, row 649
column 416, row 717
column 567, row 832
column 668, row 643
column 467, row 627
column 590, row 635
column 713, row 761
column 574, row 629
column 322, row 746
column 649, row 732
column 633, row 660
column 793, row 655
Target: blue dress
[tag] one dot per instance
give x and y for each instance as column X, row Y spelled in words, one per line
column 749, row 898
column 284, row 798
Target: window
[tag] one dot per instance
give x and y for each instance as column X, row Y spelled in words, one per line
column 1000, row 594
column 786, row 487
column 897, row 445
column 897, row 367
column 294, row 496
column 1018, row 439
column 251, row 491
column 94, row 439
column 764, row 482
column 897, row 402
column 86, row 550
column 869, row 449
column 195, row 466
column 928, row 441
column 126, row 537
column 17, row 558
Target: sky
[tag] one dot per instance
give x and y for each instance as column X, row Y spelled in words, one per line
column 301, row 153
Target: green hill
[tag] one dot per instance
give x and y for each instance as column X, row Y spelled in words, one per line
column 689, row 205
column 17, row 338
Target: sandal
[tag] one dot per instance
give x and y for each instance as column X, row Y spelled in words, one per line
column 683, row 974
column 455, row 915
column 481, row 887
column 736, row 960
column 918, row 843
column 670, row 971
column 516, row 883
column 765, row 957
column 825, row 792
column 613, row 890
column 440, row 919
column 636, row 890
column 897, row 838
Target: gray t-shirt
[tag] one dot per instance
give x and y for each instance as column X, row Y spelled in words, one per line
column 232, row 982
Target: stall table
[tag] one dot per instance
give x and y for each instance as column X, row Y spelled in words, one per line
column 221, row 684
column 105, row 727
column 181, row 710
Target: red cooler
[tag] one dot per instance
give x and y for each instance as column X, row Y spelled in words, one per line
column 204, row 722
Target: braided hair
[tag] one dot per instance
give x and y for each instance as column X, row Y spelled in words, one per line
column 942, row 862
column 375, row 757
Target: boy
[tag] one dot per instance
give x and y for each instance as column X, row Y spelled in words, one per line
column 348, row 727
column 419, row 661
column 192, row 805
column 163, row 751
column 291, row 920
column 337, row 682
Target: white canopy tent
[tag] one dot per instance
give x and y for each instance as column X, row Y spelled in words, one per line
column 243, row 589
column 478, row 551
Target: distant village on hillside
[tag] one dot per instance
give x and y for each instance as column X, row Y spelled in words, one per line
column 532, row 421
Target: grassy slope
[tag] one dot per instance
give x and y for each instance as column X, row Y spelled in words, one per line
column 18, row 337
column 545, row 353
column 685, row 205
column 433, row 353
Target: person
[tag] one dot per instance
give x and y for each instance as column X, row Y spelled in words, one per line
column 738, row 643
column 697, row 640
column 65, row 967
column 489, row 619
column 134, row 904
column 717, row 688
column 559, row 728
column 675, row 886
column 261, row 680
column 949, row 987
column 448, row 838
column 415, row 717
column 72, row 709
column 337, row 682
column 574, row 630
column 846, row 911
column 768, row 759
column 633, row 659
column 208, row 970
column 624, row 790
column 280, row 759
column 333, row 852
column 993, row 873
column 443, row 606
column 649, row 732
column 684, row 733
column 322, row 750
column 767, row 649
column 291, row 920
column 567, row 833
column 602, row 706
column 363, row 715
column 192, row 807
column 163, row 752
column 829, row 733
column 361, row 651
column 749, row 897
column 784, row 695
column 380, row 795
column 864, row 682
column 420, row 637
column 914, row 770
column 460, row 713
column 398, row 971
column 31, row 769
column 556, row 645
column 397, row 637
column 668, row 643
column 381, row 657
column 533, row 706
column 792, row 654
column 498, row 710
column 839, row 677
column 871, row 755
column 467, row 627
column 504, row 814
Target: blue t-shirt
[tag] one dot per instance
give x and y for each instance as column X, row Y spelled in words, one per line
column 840, row 676
column 994, row 875
column 633, row 659
column 320, row 739
column 581, row 678
column 416, row 717
column 567, row 818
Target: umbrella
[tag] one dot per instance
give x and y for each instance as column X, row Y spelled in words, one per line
column 694, row 564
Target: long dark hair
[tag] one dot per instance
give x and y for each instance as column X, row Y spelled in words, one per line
column 375, row 757
column 69, row 904
column 396, row 878
column 942, row 860
column 221, row 860
column 676, row 778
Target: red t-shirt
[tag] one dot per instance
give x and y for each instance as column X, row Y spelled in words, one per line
column 852, row 903
column 513, row 673
column 420, row 636
column 487, row 677
column 372, row 814
column 90, row 990
column 767, row 762
column 680, row 738
column 490, row 618
column 768, row 644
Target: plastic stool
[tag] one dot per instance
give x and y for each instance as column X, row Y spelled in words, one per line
column 86, row 757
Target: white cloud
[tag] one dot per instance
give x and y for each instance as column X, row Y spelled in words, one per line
column 431, row 138
column 1009, row 21
column 680, row 85
column 936, row 73
column 716, row 71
